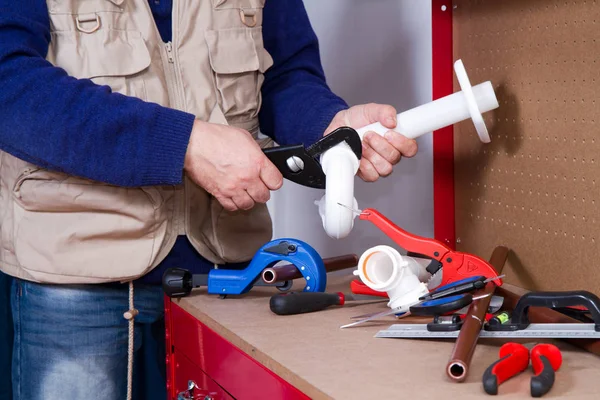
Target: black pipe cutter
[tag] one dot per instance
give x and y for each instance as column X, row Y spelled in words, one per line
column 301, row 165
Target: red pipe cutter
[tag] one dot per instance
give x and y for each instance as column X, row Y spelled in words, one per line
column 453, row 265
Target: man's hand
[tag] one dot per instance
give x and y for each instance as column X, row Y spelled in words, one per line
column 230, row 165
column 379, row 154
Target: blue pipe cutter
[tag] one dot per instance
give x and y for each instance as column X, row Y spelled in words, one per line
column 178, row 282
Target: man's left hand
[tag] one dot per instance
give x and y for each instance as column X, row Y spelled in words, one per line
column 379, row 153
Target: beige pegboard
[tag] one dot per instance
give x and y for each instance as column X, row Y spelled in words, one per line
column 536, row 187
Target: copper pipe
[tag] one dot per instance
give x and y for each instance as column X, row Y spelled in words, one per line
column 543, row 315
column 282, row 273
column 460, row 359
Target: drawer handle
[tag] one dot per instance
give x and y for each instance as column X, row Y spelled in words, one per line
column 189, row 393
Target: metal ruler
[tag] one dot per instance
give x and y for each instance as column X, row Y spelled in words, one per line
column 546, row 331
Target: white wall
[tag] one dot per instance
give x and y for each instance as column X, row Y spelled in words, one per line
column 372, row 51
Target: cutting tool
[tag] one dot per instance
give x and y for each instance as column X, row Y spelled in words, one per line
column 447, row 265
column 447, row 299
column 179, row 282
column 302, row 166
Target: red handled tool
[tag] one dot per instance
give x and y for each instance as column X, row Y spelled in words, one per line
column 545, row 360
column 453, row 265
column 514, row 359
column 292, row 303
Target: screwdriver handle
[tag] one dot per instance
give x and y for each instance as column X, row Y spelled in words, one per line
column 304, row 302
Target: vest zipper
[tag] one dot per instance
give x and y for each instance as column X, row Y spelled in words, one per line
column 172, row 77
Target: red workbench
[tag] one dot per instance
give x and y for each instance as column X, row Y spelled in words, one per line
column 238, row 349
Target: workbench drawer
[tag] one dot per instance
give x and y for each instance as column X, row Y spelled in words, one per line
column 186, row 370
column 230, row 368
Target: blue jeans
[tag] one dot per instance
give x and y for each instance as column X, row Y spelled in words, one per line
column 6, row 337
column 71, row 342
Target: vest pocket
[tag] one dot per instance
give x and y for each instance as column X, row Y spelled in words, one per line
column 238, row 59
column 240, row 4
column 74, row 227
column 107, row 57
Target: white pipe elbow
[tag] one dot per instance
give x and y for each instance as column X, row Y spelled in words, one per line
column 340, row 166
column 384, row 269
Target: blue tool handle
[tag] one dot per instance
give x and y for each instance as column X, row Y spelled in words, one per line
column 303, row 256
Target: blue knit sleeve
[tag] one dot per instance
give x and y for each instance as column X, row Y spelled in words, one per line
column 65, row 124
column 298, row 105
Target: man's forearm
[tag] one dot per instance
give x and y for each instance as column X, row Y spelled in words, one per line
column 297, row 103
column 74, row 126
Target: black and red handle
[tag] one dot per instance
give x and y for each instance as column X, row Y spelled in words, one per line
column 545, row 360
column 514, row 359
column 304, row 302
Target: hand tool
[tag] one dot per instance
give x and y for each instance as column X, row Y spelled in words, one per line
column 464, row 347
column 514, row 359
column 448, row 298
column 512, row 294
column 462, row 286
column 399, row 311
column 535, row 331
column 282, row 273
column 494, row 307
column 519, row 325
column 305, row 302
column 545, row 360
column 519, row 320
column 302, row 166
column 451, row 265
column 442, row 305
column 224, row 282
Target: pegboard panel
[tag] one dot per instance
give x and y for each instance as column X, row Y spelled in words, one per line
column 536, row 187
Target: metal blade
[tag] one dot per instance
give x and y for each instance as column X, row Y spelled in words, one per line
column 546, row 331
column 435, row 280
column 378, row 315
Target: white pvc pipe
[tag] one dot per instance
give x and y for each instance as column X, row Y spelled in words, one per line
column 438, row 114
column 384, row 269
column 340, row 164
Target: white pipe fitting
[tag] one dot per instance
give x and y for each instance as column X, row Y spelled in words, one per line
column 384, row 269
column 340, row 164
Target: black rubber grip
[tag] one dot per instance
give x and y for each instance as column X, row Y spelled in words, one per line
column 542, row 383
column 303, row 302
column 490, row 380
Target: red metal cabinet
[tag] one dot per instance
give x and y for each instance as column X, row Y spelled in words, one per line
column 195, row 352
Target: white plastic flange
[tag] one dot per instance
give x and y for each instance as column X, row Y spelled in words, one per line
column 467, row 89
column 384, row 269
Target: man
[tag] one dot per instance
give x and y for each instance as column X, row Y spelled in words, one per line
column 128, row 131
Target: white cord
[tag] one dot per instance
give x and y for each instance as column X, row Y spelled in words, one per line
column 129, row 315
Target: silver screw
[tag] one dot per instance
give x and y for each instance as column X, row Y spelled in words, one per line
column 295, row 164
column 458, row 240
column 444, row 8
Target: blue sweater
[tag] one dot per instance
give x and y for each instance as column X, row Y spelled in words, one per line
column 74, row 126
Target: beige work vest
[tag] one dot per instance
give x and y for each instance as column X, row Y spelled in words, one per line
column 58, row 228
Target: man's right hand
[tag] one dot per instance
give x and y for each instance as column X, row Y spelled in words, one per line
column 230, row 165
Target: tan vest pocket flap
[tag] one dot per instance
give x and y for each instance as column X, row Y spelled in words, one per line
column 238, row 59
column 63, row 225
column 108, row 57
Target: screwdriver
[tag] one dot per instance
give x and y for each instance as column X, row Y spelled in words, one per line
column 306, row 302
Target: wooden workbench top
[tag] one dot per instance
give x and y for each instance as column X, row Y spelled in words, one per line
column 325, row 362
